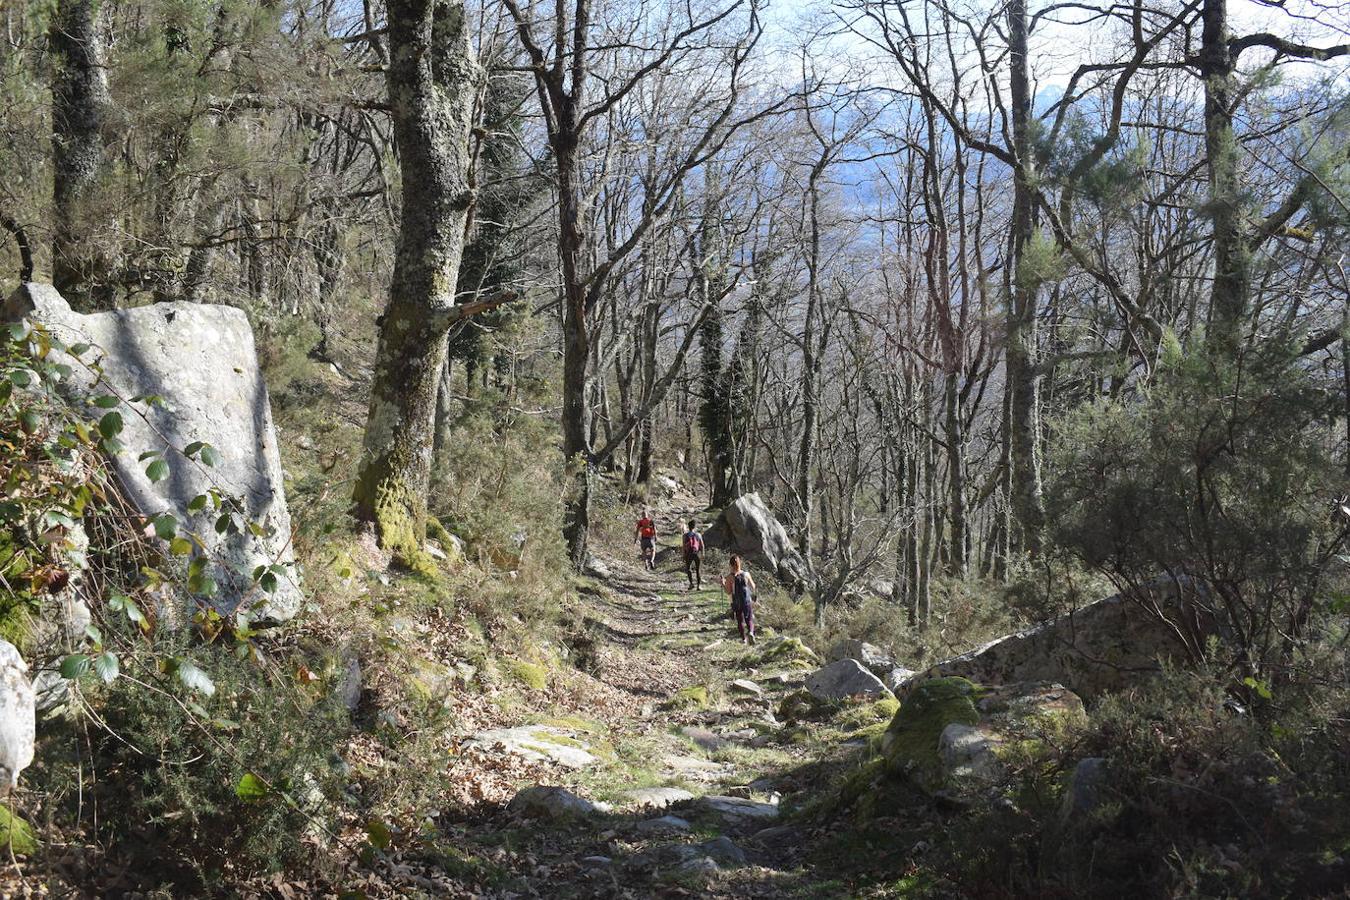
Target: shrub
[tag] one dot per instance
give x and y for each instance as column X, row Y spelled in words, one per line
column 1219, row 478
column 1200, row 798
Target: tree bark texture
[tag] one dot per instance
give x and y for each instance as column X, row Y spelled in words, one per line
column 81, row 265
column 431, row 79
column 1023, row 379
column 1232, row 257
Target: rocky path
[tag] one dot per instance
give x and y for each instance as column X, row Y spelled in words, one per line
column 677, row 782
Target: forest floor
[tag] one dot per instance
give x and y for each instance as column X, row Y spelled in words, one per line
column 700, row 787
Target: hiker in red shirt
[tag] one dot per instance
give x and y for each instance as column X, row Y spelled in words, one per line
column 645, row 536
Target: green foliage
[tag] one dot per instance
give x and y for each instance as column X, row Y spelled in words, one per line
column 1219, row 471
column 1201, row 798
column 259, row 746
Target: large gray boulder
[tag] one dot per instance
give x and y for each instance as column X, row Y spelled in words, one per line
column 1101, row 647
column 17, row 715
column 844, row 678
column 749, row 528
column 874, row 659
column 201, row 361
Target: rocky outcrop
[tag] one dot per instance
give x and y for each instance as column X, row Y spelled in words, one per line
column 896, row 678
column 950, row 733
column 873, row 658
column 842, row 679
column 733, row 813
column 749, row 528
column 1101, row 647
column 17, row 715
column 536, row 743
column 656, row 797
column 199, row 360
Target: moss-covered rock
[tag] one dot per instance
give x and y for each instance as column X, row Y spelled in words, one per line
column 16, row 833
column 695, row 696
column 862, row 715
column 952, row 734
column 786, row 651
column 532, row 676
column 910, row 744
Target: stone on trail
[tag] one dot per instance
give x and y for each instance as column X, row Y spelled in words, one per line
column 733, row 812
column 553, row 803
column 692, row 768
column 748, row 527
column 659, row 797
column 775, row 834
column 596, row 568
column 1083, row 795
column 746, row 686
column 969, row 751
column 842, row 679
column 200, row 359
column 723, row 851
column 699, row 867
column 347, row 687
column 537, row 743
column 703, row 738
column 663, row 825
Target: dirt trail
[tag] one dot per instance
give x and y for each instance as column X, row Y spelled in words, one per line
column 674, row 728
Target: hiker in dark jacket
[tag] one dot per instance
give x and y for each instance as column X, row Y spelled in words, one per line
column 693, row 556
column 741, row 587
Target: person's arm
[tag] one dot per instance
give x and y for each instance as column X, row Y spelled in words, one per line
column 750, row 578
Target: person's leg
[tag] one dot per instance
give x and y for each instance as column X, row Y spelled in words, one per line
column 750, row 622
column 698, row 571
column 739, row 612
column 689, row 569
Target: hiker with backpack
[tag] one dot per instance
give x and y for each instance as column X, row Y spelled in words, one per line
column 644, row 535
column 741, row 587
column 693, row 556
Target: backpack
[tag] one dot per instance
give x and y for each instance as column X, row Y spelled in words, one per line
column 693, row 542
column 647, row 528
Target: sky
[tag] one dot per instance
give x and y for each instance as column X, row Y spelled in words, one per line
column 1058, row 49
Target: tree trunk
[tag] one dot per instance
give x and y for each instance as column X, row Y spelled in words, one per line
column 651, row 329
column 431, row 79
column 81, row 260
column 1232, row 257
column 1023, row 380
